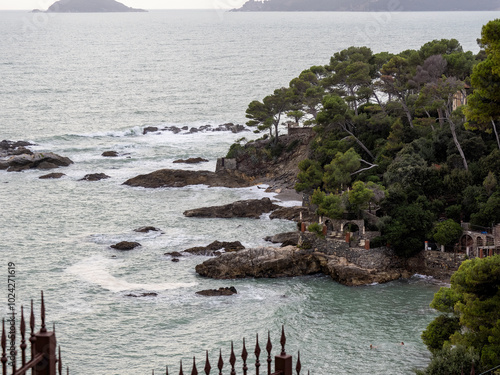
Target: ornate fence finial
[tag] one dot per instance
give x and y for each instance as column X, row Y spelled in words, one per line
column 4, row 348
column 269, row 347
column 180, row 371
column 257, row 355
column 232, row 360
column 299, row 365
column 166, row 370
column 220, row 364
column 23, row 338
column 194, row 371
column 32, row 328
column 283, row 340
column 43, row 329
column 207, row 365
column 244, row 356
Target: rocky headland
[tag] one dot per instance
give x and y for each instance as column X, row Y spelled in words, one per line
column 252, row 208
column 89, row 6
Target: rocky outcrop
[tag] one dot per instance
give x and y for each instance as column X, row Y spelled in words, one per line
column 190, row 161
column 150, row 129
column 95, row 177
column 294, row 214
column 234, row 128
column 24, row 159
column 147, row 294
column 292, row 238
column 181, row 178
column 173, row 254
column 218, row 292
column 215, row 248
column 252, row 208
column 364, row 267
column 126, row 245
column 90, row 6
column 51, row 176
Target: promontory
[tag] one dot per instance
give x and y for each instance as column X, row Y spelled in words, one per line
column 90, row 6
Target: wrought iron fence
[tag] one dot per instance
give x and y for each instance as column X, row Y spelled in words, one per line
column 44, row 358
column 283, row 363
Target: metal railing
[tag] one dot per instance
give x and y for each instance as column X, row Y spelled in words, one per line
column 283, row 363
column 43, row 347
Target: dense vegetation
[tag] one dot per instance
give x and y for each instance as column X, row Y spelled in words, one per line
column 392, row 135
column 468, row 331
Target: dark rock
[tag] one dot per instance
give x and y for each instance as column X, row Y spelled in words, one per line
column 51, row 175
column 218, row 292
column 181, row 178
column 185, row 128
column 147, row 229
column 175, row 260
column 193, row 130
column 110, row 154
column 95, row 177
column 126, row 245
column 215, row 247
column 252, row 208
column 150, row 129
column 34, row 160
column 293, row 213
column 191, row 161
column 150, row 294
column 173, row 254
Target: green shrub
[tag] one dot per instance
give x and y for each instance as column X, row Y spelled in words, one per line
column 316, row 228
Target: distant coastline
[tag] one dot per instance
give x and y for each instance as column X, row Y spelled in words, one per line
column 367, row 6
column 88, row 6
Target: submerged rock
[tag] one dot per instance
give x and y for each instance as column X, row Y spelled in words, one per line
column 181, row 178
column 252, row 208
column 150, row 129
column 147, row 229
column 95, row 177
column 150, row 294
column 52, row 176
column 218, row 292
column 126, row 245
column 191, row 161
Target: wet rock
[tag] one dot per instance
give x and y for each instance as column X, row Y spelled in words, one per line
column 150, row 129
column 147, row 229
column 126, row 245
column 175, row 260
column 95, row 177
column 215, row 248
column 51, row 176
column 252, row 208
column 34, row 160
column 191, row 161
column 218, row 292
column 150, row 294
column 181, row 178
column 175, row 254
column 110, row 154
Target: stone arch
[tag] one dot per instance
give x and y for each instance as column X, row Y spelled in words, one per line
column 479, row 241
column 490, row 241
column 466, row 244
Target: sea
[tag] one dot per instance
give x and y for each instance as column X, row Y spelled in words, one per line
column 82, row 84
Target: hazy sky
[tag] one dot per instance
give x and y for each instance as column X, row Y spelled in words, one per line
column 144, row 4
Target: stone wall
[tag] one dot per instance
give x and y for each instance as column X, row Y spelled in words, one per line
column 301, row 132
column 436, row 264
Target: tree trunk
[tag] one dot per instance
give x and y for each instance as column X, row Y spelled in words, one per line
column 358, row 141
column 495, row 130
column 408, row 113
column 455, row 139
column 441, row 117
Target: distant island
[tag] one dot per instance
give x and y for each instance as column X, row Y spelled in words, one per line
column 89, row 6
column 367, row 5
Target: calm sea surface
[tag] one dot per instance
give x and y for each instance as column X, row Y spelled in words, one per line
column 81, row 84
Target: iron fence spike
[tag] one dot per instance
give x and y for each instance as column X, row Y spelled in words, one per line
column 42, row 315
column 220, row 364
column 207, row 365
column 299, row 365
column 194, row 371
column 283, row 340
column 180, row 371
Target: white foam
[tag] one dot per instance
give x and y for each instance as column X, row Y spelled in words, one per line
column 95, row 270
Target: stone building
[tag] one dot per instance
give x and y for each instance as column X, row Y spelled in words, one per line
column 479, row 242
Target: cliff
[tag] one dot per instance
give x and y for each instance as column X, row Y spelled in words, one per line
column 90, row 6
column 368, row 5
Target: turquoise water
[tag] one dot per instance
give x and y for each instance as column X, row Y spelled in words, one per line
column 79, row 85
